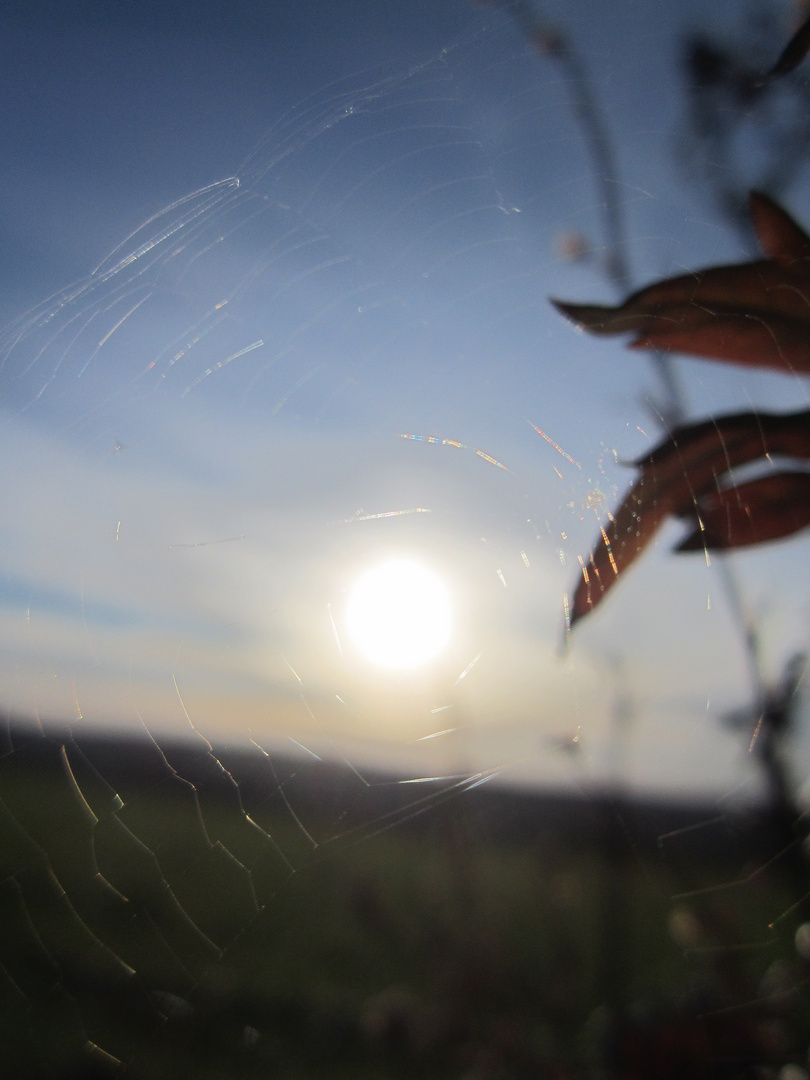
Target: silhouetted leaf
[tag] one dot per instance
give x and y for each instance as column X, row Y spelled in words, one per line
column 712, row 447
column 793, row 53
column 755, row 314
column 780, row 238
column 682, row 475
column 767, row 508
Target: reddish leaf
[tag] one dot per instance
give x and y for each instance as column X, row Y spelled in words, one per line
column 768, row 508
column 755, row 313
column 675, row 477
column 729, row 441
column 780, row 238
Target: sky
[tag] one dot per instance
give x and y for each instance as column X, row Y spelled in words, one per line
column 254, row 257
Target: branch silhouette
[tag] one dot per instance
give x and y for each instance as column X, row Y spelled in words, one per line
column 792, row 54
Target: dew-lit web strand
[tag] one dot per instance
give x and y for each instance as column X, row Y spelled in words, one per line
column 118, row 295
column 43, row 314
column 89, row 313
column 188, row 344
column 24, row 325
column 466, row 143
column 353, row 111
column 308, row 121
column 441, row 778
column 100, row 277
column 82, row 329
column 294, row 335
column 280, row 790
column 300, row 682
column 58, row 961
column 220, row 236
column 556, row 446
column 153, row 741
column 600, row 146
column 210, row 750
column 389, row 164
column 361, row 516
column 389, row 133
column 393, row 162
column 109, row 334
column 96, row 280
column 183, row 342
column 312, row 271
column 220, row 364
column 324, row 108
column 81, row 313
column 275, row 252
column 747, row 880
column 268, row 261
column 324, row 116
column 217, row 195
column 468, row 668
column 102, row 274
column 43, row 310
column 234, row 292
column 210, row 321
column 191, row 723
column 459, row 784
column 439, row 441
column 49, row 342
column 433, row 189
column 420, row 806
column 675, row 833
column 306, row 749
column 450, row 218
column 102, row 403
column 151, row 245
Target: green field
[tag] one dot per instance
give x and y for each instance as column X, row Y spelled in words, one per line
column 380, row 932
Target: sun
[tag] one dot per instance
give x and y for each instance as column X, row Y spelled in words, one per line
column 398, row 615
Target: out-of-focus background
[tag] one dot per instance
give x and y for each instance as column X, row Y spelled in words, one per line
column 275, row 296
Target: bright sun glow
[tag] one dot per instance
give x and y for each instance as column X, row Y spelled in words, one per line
column 398, row 615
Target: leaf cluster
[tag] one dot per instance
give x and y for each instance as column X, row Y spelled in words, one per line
column 754, row 314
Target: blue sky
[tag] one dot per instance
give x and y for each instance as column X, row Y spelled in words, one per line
column 247, row 250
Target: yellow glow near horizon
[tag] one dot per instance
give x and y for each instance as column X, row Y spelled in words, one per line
column 398, row 615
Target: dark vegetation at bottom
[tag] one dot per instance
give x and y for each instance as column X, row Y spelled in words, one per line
column 163, row 917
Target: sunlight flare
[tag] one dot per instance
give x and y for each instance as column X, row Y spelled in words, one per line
column 398, row 615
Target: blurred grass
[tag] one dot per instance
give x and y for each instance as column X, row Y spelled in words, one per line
column 446, row 945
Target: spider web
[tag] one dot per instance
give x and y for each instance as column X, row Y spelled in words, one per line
column 340, row 351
